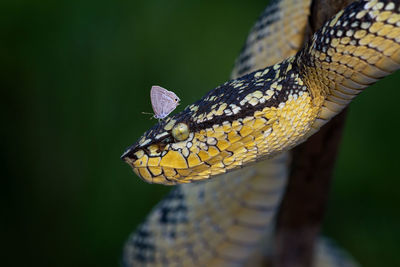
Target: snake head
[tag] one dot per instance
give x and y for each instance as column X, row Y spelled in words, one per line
column 163, row 150
column 186, row 147
column 197, row 143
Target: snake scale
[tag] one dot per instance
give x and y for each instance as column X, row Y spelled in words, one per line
column 280, row 94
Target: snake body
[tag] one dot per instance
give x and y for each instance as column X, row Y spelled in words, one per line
column 256, row 117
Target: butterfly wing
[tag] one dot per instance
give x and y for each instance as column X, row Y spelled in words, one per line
column 156, row 99
column 163, row 101
column 168, row 106
column 173, row 96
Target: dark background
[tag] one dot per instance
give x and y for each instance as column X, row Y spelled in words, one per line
column 75, row 77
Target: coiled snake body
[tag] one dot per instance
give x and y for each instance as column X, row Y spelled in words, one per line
column 255, row 117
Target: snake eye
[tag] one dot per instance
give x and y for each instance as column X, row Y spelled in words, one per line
column 180, row 132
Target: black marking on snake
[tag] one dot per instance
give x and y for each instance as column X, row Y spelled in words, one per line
column 227, row 94
column 268, row 13
column 169, row 215
column 173, row 214
column 201, row 196
column 131, row 154
column 244, row 58
column 244, row 69
column 145, row 248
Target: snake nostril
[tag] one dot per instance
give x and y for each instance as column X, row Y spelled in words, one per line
column 161, row 147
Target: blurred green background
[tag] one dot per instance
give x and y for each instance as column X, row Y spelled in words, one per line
column 75, row 78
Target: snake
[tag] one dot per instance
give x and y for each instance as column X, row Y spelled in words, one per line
column 229, row 152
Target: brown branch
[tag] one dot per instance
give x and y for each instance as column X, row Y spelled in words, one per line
column 303, row 206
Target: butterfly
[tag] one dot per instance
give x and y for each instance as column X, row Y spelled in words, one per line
column 163, row 101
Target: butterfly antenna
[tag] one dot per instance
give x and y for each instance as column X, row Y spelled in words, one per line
column 147, row 113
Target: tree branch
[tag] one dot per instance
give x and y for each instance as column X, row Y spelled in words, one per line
column 303, row 206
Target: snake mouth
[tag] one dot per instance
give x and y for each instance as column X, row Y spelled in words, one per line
column 172, row 176
column 151, row 170
column 146, row 175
